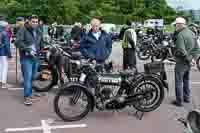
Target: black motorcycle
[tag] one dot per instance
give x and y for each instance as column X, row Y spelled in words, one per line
column 58, row 57
column 51, row 60
column 108, row 91
column 155, row 48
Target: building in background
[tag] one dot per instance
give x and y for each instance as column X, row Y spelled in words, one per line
column 196, row 16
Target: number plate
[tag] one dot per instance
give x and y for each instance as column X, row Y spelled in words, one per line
column 82, row 78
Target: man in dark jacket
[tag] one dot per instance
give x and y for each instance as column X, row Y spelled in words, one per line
column 97, row 44
column 185, row 43
column 28, row 40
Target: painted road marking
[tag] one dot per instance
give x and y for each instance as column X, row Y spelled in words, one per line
column 20, row 88
column 196, row 83
column 13, row 89
column 46, row 128
column 56, row 87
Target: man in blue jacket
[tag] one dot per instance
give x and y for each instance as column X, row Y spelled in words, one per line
column 97, row 44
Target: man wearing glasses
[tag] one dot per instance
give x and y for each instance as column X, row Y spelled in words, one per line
column 28, row 40
column 97, row 44
column 185, row 43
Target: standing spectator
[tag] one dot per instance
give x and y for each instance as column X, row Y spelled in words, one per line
column 28, row 40
column 41, row 24
column 128, row 45
column 76, row 32
column 52, row 30
column 20, row 22
column 9, row 31
column 97, row 44
column 5, row 53
column 185, row 43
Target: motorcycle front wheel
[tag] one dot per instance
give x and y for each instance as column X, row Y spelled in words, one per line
column 72, row 103
column 152, row 94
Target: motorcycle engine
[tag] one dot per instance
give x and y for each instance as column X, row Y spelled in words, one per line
column 106, row 93
column 110, row 101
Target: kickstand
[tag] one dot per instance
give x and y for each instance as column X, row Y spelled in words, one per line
column 139, row 115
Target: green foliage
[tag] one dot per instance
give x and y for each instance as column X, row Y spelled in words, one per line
column 70, row 11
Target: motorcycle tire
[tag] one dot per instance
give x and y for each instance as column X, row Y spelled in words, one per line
column 198, row 63
column 41, row 85
column 143, row 56
column 155, row 99
column 69, row 91
column 155, row 59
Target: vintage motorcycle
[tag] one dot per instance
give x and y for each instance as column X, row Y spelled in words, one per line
column 108, row 91
column 53, row 58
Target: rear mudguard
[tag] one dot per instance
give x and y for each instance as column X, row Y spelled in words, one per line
column 154, row 75
column 84, row 88
column 159, row 77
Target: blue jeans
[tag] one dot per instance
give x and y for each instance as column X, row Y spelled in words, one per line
column 182, row 81
column 29, row 67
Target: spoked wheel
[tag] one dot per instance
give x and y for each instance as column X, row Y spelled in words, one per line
column 144, row 55
column 152, row 94
column 72, row 103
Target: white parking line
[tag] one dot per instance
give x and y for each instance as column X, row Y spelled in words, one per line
column 46, row 128
column 196, row 83
column 13, row 89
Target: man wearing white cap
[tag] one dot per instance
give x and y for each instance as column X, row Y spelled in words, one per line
column 185, row 43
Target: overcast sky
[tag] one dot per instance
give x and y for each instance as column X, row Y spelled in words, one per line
column 187, row 4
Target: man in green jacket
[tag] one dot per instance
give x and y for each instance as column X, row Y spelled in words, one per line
column 185, row 43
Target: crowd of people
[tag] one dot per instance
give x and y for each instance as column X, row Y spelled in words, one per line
column 95, row 44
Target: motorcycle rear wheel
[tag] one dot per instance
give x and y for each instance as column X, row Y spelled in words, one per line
column 153, row 99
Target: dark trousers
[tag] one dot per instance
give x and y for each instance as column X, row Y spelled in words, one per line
column 182, row 81
column 129, row 58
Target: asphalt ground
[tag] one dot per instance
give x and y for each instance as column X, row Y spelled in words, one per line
column 14, row 115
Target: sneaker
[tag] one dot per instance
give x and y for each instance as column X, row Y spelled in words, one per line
column 186, row 100
column 28, row 101
column 177, row 103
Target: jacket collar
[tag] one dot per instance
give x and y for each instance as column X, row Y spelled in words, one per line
column 91, row 34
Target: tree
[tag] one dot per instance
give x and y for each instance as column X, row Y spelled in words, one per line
column 69, row 11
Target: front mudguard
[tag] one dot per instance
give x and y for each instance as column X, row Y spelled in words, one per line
column 84, row 88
